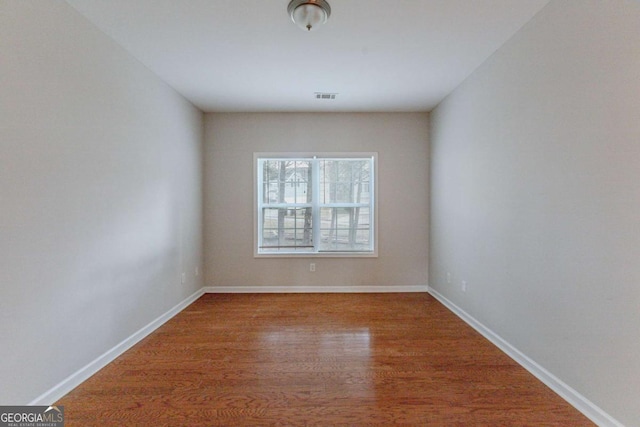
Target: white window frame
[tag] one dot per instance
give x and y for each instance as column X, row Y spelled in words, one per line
column 258, row 205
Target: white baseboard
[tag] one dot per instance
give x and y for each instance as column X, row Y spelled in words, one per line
column 578, row 401
column 74, row 380
column 310, row 289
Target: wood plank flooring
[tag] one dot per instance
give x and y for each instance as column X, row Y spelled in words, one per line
column 316, row 360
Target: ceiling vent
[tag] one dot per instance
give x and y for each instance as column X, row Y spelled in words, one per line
column 324, row 95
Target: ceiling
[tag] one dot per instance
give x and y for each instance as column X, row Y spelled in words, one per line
column 247, row 55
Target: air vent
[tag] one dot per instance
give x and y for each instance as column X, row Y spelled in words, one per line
column 324, row 95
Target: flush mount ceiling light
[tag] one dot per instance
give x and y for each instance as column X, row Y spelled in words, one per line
column 309, row 14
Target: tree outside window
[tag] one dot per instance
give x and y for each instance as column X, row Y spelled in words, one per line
column 315, row 205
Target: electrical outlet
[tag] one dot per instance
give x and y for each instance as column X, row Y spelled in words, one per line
column 197, row 271
column 184, row 278
column 464, row 286
column 312, row 267
column 448, row 277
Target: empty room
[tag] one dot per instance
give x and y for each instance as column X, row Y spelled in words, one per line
column 320, row 212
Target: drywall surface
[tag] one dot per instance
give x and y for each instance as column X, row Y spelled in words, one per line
column 535, row 184
column 100, row 196
column 401, row 141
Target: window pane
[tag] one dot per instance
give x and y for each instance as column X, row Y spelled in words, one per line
column 345, row 229
column 286, row 181
column 287, row 229
column 345, row 181
column 286, row 184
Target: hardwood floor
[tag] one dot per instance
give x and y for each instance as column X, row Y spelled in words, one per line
column 316, row 360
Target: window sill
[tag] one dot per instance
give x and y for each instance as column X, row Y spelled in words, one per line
column 319, row 255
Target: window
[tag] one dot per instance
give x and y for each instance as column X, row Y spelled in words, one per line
column 314, row 205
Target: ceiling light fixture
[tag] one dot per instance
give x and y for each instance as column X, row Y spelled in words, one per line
column 309, row 14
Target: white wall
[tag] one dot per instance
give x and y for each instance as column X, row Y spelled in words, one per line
column 100, row 196
column 536, row 197
column 401, row 141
